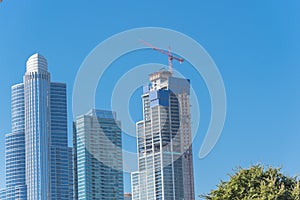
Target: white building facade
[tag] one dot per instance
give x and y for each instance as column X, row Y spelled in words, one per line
column 165, row 161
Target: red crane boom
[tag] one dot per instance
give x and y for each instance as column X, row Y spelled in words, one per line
column 168, row 53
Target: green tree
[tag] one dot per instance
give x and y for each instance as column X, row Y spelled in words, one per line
column 257, row 183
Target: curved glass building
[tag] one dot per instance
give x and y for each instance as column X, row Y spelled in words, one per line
column 37, row 149
column 15, row 148
column 37, row 127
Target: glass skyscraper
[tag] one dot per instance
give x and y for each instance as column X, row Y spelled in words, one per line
column 59, row 142
column 15, row 148
column 37, row 128
column 165, row 161
column 98, row 143
column 36, row 150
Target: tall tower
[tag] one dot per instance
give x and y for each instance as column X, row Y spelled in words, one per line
column 99, row 163
column 165, row 161
column 39, row 132
column 15, row 148
column 37, row 128
column 59, row 142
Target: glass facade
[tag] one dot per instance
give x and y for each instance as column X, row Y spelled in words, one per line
column 99, row 162
column 37, row 156
column 37, row 128
column 59, row 142
column 165, row 165
column 15, row 148
column 3, row 194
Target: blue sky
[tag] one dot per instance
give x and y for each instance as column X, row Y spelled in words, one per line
column 254, row 43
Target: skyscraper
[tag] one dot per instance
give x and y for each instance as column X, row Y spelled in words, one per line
column 37, row 128
column 15, row 148
column 59, row 142
column 165, row 162
column 98, row 143
column 39, row 132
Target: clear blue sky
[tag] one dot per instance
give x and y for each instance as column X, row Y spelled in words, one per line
column 255, row 44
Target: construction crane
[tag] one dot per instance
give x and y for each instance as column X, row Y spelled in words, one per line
column 168, row 53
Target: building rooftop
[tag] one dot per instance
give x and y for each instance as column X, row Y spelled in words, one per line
column 36, row 62
column 107, row 114
column 161, row 74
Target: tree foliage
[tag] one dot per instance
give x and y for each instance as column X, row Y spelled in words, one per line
column 257, row 183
